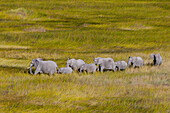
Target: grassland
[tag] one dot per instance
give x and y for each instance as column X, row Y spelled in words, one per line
column 56, row 30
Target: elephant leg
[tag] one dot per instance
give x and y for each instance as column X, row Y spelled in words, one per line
column 81, row 70
column 101, row 70
column 114, row 69
column 133, row 65
column 94, row 71
column 50, row 74
column 85, row 71
column 37, row 71
column 141, row 65
column 98, row 69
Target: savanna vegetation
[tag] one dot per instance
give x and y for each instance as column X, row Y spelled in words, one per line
column 85, row 29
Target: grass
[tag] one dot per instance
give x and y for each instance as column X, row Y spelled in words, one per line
column 56, row 30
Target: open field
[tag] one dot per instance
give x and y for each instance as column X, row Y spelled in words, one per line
column 85, row 29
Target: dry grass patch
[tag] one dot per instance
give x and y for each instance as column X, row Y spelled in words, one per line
column 35, row 29
column 14, row 47
column 22, row 13
column 135, row 27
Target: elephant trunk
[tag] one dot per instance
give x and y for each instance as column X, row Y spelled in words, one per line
column 30, row 67
column 128, row 63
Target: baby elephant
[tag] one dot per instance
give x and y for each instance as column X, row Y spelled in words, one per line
column 157, row 59
column 88, row 68
column 135, row 61
column 65, row 70
column 120, row 65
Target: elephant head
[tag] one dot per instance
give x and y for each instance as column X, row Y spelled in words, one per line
column 97, row 61
column 82, row 68
column 130, row 61
column 34, row 63
column 153, row 57
column 157, row 59
column 69, row 62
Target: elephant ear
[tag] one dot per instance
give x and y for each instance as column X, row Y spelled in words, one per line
column 152, row 56
column 99, row 61
column 71, row 62
column 37, row 62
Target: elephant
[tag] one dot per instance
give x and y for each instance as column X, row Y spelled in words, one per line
column 157, row 59
column 88, row 68
column 47, row 67
column 65, row 70
column 74, row 64
column 120, row 65
column 104, row 63
column 135, row 61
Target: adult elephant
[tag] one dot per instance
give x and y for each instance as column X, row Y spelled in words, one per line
column 135, row 61
column 74, row 64
column 157, row 59
column 104, row 63
column 47, row 67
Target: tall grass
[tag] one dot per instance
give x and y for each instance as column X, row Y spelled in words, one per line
column 56, row 30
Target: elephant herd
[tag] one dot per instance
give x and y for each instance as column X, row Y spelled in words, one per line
column 99, row 64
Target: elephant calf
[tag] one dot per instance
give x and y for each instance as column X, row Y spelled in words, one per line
column 88, row 68
column 157, row 59
column 120, row 65
column 47, row 67
column 65, row 70
column 135, row 61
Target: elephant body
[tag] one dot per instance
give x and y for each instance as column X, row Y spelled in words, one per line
column 120, row 65
column 88, row 68
column 74, row 64
column 135, row 61
column 47, row 67
column 104, row 63
column 157, row 59
column 65, row 70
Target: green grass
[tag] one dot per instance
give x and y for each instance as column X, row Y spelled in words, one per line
column 56, row 30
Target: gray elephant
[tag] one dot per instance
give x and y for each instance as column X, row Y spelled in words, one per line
column 65, row 70
column 157, row 59
column 135, row 61
column 47, row 67
column 104, row 63
column 120, row 65
column 74, row 64
column 88, row 68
